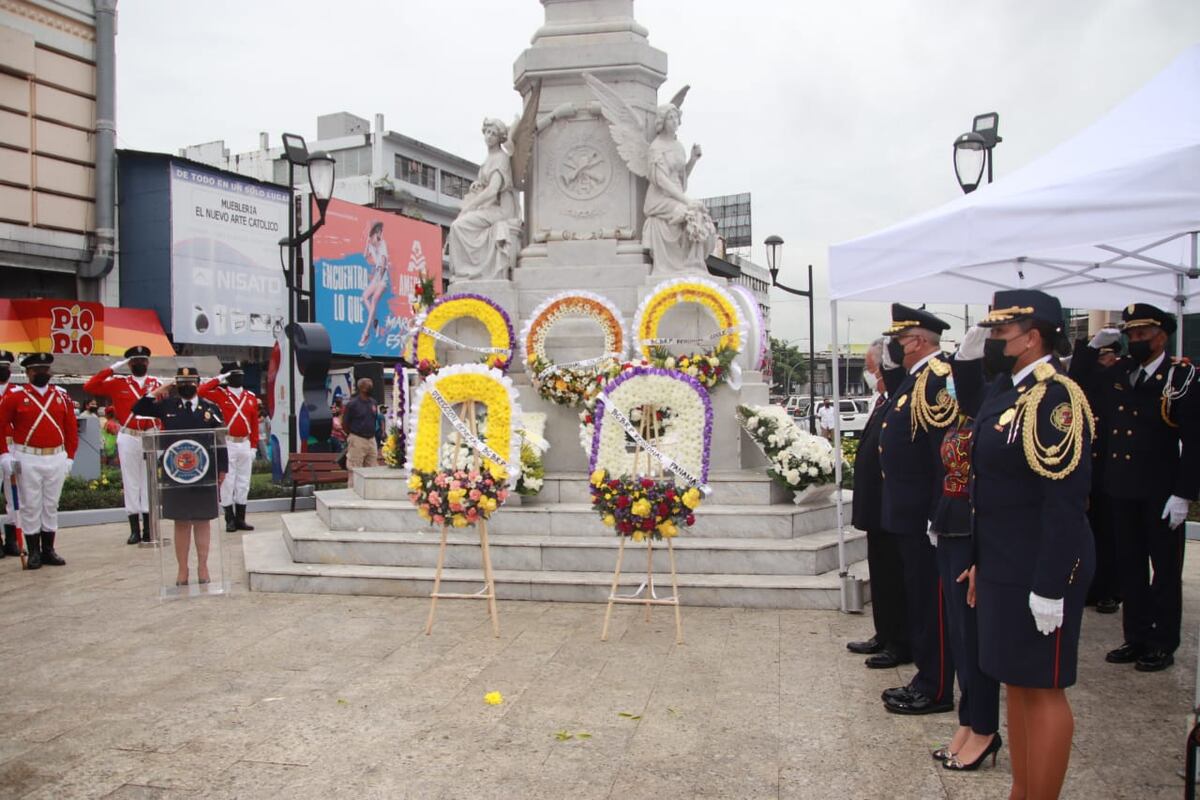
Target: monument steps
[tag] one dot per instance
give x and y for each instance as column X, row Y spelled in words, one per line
column 309, row 541
column 271, row 569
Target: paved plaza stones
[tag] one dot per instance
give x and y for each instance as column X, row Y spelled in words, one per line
column 108, row 692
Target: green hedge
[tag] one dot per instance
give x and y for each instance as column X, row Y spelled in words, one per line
column 106, row 491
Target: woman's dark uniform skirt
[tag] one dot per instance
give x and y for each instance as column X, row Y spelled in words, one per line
column 1011, row 648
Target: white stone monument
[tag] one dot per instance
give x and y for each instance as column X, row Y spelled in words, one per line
column 589, row 80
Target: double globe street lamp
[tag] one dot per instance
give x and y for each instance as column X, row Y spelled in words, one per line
column 321, row 169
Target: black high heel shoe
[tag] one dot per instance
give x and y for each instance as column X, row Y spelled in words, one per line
column 992, row 750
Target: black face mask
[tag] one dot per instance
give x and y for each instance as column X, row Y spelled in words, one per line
column 1140, row 351
column 995, row 361
column 187, row 390
column 139, row 369
column 235, row 381
column 5, row 374
column 40, row 379
column 896, row 351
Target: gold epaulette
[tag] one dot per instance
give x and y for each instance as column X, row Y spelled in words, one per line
column 1059, row 459
column 944, row 408
column 1171, row 392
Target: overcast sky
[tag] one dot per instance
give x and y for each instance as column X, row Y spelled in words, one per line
column 838, row 116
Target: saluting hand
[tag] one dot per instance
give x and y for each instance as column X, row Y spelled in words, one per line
column 162, row 391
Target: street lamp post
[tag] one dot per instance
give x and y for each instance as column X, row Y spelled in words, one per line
column 774, row 263
column 973, row 151
column 321, row 174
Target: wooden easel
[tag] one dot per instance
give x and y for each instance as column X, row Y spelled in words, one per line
column 489, row 582
column 648, row 431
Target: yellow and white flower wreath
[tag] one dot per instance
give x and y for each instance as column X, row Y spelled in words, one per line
column 709, row 364
column 457, row 383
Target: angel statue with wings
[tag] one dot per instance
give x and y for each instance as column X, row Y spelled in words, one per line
column 486, row 236
column 678, row 231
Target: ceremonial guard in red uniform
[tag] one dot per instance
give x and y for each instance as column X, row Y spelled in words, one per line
column 41, row 420
column 10, row 517
column 239, row 408
column 125, row 390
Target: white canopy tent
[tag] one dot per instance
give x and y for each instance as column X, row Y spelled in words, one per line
column 1107, row 218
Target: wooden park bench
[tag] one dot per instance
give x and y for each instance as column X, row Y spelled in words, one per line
column 315, row 468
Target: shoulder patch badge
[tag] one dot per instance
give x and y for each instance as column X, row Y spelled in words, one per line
column 943, row 398
column 1061, row 417
column 939, row 367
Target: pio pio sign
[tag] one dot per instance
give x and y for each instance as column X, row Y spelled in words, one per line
column 63, row 326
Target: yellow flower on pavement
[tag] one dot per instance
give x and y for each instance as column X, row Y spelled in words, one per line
column 493, row 698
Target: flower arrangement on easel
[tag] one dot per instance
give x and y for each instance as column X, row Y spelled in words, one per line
column 644, row 491
column 467, row 491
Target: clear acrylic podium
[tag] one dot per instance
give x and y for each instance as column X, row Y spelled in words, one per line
column 183, row 470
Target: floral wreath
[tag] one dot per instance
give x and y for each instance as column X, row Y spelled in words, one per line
column 571, row 383
column 757, row 345
column 637, row 505
column 710, row 366
column 458, row 496
column 448, row 308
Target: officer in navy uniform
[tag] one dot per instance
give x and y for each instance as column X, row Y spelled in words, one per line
column 186, row 411
column 1149, row 404
column 889, row 646
column 1030, row 479
column 910, row 438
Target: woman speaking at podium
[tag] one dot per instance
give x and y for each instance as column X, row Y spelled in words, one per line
column 187, row 411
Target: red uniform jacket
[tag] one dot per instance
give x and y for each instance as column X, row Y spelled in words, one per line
column 124, row 391
column 23, row 418
column 6, row 430
column 239, row 411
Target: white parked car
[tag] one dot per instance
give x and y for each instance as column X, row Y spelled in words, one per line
column 854, row 411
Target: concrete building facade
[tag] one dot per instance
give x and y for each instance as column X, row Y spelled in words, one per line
column 375, row 167
column 56, row 133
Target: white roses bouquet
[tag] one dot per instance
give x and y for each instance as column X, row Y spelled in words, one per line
column 798, row 459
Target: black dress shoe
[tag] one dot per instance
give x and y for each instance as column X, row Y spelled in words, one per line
column 896, row 693
column 886, row 660
column 917, row 703
column 1154, row 661
column 1125, row 654
column 869, row 647
column 1109, row 605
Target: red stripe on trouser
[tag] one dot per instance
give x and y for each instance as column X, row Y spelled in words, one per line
column 1057, row 650
column 941, row 645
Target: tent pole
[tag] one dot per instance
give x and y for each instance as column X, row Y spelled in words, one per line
column 837, row 450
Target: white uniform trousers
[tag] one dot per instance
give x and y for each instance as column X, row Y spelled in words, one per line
column 8, row 517
column 40, row 484
column 236, row 486
column 133, row 473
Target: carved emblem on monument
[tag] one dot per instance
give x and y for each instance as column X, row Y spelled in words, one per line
column 584, row 172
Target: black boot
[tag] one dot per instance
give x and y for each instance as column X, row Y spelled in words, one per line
column 230, row 519
column 33, row 545
column 10, row 541
column 135, row 535
column 146, row 527
column 48, row 555
column 240, row 519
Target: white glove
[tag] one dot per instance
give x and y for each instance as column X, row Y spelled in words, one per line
column 70, row 463
column 932, row 537
column 1104, row 338
column 6, row 462
column 1175, row 511
column 1047, row 613
column 224, row 376
column 124, row 362
column 971, row 348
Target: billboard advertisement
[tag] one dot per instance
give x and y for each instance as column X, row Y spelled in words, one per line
column 227, row 282
column 366, row 264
